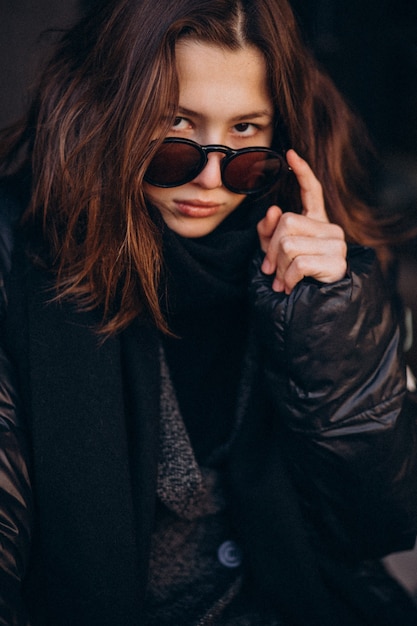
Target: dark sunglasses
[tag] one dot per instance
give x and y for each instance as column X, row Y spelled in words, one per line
column 245, row 171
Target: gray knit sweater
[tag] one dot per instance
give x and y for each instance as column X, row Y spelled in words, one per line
column 196, row 565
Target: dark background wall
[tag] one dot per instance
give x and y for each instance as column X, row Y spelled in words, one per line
column 21, row 24
column 370, row 48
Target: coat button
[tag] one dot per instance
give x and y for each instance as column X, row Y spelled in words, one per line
column 229, row 554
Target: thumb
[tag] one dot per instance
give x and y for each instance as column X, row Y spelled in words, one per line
column 267, row 226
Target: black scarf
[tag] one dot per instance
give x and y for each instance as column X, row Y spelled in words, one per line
column 205, row 302
column 209, row 271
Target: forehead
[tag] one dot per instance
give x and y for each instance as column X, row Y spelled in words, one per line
column 227, row 81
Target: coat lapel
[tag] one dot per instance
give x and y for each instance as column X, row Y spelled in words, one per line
column 89, row 533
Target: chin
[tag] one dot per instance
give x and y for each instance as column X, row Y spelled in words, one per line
column 193, row 228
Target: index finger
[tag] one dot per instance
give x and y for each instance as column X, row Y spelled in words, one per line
column 311, row 190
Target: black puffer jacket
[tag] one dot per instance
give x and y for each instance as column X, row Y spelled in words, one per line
column 332, row 366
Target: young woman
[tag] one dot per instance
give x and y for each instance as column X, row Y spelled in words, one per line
column 202, row 384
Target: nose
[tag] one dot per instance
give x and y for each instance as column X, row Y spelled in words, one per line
column 210, row 176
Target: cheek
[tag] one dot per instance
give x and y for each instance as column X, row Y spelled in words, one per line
column 235, row 200
column 156, row 195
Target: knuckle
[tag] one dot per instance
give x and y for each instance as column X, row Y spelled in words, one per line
column 299, row 266
column 288, row 221
column 287, row 245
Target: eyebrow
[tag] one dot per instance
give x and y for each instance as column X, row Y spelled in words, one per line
column 251, row 115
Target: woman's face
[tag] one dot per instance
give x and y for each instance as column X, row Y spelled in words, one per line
column 223, row 99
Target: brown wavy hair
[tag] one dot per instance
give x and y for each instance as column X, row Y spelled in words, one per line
column 109, row 88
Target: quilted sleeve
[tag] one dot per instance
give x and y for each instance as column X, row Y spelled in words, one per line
column 333, row 366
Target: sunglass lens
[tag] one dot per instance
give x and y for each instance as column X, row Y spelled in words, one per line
column 252, row 171
column 174, row 164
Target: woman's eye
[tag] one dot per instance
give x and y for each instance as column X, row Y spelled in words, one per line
column 245, row 128
column 181, row 123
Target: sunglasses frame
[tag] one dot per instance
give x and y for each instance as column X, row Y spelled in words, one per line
column 230, row 155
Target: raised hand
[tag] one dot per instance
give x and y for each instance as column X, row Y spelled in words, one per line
column 303, row 245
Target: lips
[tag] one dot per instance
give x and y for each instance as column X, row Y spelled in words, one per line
column 196, row 208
